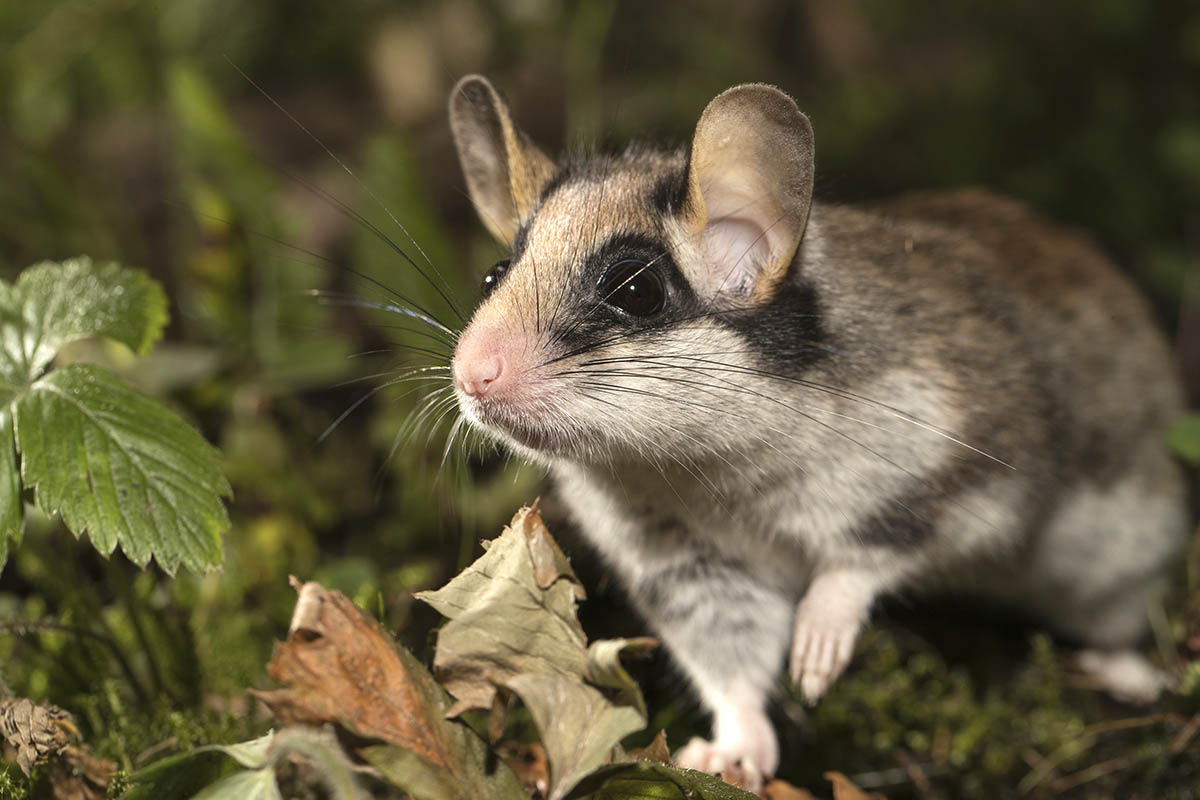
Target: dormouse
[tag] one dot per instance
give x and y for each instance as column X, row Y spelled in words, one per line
column 766, row 413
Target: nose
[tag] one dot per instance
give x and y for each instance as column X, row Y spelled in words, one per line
column 475, row 376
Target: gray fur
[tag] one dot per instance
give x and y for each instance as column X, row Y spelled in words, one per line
column 942, row 392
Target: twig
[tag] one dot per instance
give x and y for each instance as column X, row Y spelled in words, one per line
column 25, row 627
column 1186, row 735
column 1089, row 774
column 1130, row 722
column 916, row 774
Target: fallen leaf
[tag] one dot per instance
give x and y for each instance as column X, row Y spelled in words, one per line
column 578, row 724
column 844, row 789
column 657, row 751
column 782, row 790
column 38, row 733
column 511, row 613
column 529, row 764
column 339, row 666
column 512, row 624
column 35, row 732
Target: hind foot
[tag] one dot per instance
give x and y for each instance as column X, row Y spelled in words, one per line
column 1125, row 674
column 744, row 749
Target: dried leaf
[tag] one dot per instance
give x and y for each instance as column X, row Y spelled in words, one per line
column 782, row 790
column 513, row 625
column 578, row 724
column 530, row 766
column 512, row 612
column 657, row 751
column 844, row 789
column 340, row 666
column 35, row 732
column 79, row 775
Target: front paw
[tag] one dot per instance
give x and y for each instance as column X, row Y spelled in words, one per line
column 821, row 649
column 730, row 764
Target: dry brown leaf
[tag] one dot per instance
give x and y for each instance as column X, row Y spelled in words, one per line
column 657, row 751
column 81, row 776
column 782, row 790
column 532, row 769
column 340, row 666
column 34, row 732
column 844, row 789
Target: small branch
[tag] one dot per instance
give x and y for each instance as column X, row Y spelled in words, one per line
column 26, row 627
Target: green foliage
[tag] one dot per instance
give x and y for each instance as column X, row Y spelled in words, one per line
column 112, row 461
column 1184, row 439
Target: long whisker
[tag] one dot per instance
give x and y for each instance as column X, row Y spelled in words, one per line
column 443, row 293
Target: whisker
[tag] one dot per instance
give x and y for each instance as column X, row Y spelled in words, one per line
column 453, row 306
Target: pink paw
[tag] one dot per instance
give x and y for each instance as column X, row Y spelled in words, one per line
column 820, row 652
column 729, row 763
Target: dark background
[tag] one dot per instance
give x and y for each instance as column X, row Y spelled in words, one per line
column 128, row 132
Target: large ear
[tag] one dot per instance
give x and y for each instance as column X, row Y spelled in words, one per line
column 750, row 181
column 505, row 170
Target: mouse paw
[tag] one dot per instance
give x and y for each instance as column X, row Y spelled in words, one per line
column 730, row 765
column 828, row 620
column 820, row 652
column 1124, row 674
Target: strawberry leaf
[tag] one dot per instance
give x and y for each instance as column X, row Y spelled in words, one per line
column 120, row 465
column 53, row 304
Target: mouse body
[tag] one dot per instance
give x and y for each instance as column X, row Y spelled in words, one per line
column 766, row 413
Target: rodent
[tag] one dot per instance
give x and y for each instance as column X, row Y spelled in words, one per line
column 766, row 412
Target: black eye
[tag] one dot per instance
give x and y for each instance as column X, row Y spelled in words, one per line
column 634, row 287
column 494, row 275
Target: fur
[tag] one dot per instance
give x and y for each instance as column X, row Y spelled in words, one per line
column 943, row 392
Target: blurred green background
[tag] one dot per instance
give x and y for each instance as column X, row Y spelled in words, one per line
column 128, row 132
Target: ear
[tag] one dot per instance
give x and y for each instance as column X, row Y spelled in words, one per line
column 505, row 170
column 750, row 180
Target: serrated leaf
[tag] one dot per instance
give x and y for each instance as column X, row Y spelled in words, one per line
column 122, row 466
column 641, row 780
column 12, row 511
column 52, row 304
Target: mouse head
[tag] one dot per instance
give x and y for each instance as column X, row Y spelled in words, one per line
column 627, row 317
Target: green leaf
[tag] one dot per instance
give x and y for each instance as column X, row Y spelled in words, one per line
column 181, row 776
column 644, row 781
column 52, row 304
column 1184, row 438
column 123, row 467
column 12, row 511
column 258, row 784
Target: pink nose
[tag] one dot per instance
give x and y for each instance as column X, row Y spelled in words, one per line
column 475, row 376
